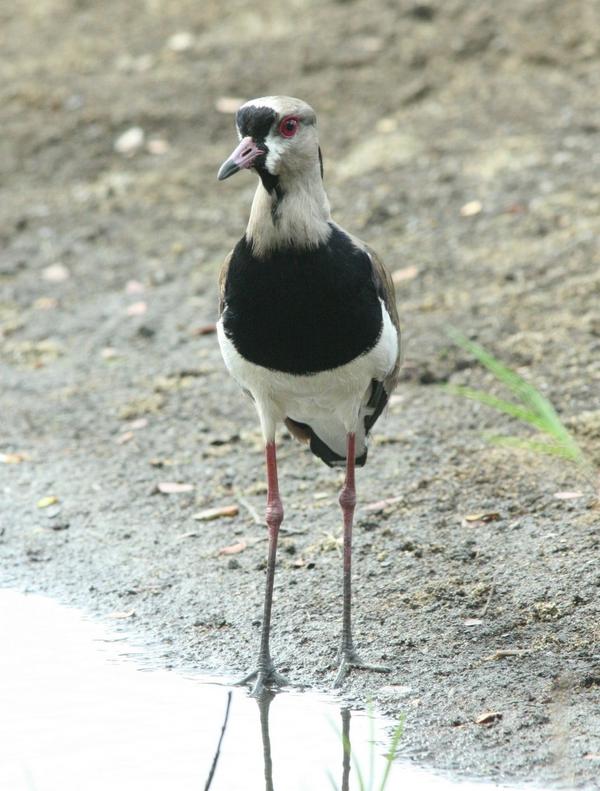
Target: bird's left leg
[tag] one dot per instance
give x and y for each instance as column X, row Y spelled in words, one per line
column 265, row 673
column 348, row 657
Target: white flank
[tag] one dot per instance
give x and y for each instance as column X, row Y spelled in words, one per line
column 332, row 402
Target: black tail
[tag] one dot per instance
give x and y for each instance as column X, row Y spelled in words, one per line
column 305, row 433
column 377, row 402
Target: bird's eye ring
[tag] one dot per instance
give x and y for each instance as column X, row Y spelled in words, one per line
column 288, row 126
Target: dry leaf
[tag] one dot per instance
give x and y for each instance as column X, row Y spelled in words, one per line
column 216, row 513
column 381, row 504
column 121, row 614
column 488, row 718
column 44, row 502
column 568, row 495
column 45, row 303
column 189, row 534
column 471, row 208
column 490, row 517
column 396, row 689
column 205, row 329
column 134, row 287
column 12, row 458
column 123, row 438
column 502, row 653
column 137, row 309
column 233, row 549
column 402, row 275
column 170, row 487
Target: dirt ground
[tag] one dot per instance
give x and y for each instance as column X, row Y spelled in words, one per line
column 462, row 141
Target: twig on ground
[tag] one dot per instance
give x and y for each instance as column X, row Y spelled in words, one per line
column 490, row 594
column 256, row 517
column 502, row 653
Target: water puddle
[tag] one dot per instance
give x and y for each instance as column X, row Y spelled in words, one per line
column 76, row 714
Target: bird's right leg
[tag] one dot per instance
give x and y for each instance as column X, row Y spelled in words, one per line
column 265, row 673
column 348, row 657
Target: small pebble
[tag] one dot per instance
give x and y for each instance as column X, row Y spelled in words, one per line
column 56, row 273
column 130, row 141
column 157, row 146
column 180, row 42
column 471, row 208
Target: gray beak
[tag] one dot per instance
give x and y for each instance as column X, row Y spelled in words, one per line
column 228, row 168
column 243, row 157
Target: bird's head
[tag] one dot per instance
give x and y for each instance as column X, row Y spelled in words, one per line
column 278, row 139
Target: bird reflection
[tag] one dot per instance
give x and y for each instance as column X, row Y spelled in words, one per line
column 346, row 746
column 264, row 701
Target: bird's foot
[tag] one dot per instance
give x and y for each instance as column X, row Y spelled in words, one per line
column 264, row 678
column 348, row 659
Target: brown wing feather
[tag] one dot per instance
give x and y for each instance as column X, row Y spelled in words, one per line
column 223, row 281
column 387, row 292
column 381, row 391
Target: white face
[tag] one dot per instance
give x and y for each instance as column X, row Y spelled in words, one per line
column 286, row 129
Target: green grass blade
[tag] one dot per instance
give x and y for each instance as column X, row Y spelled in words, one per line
column 538, row 411
column 515, row 383
column 332, row 781
column 549, row 448
column 512, row 380
column 391, row 753
column 514, row 410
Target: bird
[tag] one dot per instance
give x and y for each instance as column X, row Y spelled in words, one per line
column 308, row 327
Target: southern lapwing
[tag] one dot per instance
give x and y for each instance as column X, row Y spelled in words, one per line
column 308, row 325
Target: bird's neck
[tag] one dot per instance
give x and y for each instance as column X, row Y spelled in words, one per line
column 289, row 212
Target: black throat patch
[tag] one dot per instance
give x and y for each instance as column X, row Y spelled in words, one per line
column 257, row 122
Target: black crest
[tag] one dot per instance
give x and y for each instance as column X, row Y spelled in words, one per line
column 255, row 122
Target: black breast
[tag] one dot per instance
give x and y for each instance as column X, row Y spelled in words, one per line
column 302, row 311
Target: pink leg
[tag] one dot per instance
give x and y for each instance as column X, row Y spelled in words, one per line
column 348, row 657
column 265, row 673
column 348, row 503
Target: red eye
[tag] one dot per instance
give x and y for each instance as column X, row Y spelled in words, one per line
column 288, row 126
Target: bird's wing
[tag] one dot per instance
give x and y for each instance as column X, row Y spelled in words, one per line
column 384, row 286
column 223, row 281
column 381, row 390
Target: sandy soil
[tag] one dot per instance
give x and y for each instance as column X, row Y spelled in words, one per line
column 425, row 108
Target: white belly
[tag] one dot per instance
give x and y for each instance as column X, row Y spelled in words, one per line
column 336, row 395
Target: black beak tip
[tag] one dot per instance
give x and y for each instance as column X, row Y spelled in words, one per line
column 227, row 169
